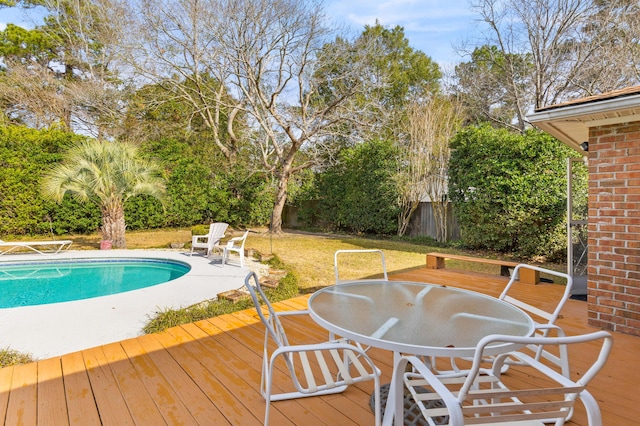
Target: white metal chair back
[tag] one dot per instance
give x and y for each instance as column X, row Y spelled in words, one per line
column 479, row 396
column 315, row 369
column 545, row 320
column 340, row 253
column 274, row 328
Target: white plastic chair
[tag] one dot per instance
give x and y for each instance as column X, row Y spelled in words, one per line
column 236, row 245
column 208, row 241
column 359, row 251
column 480, row 396
column 337, row 365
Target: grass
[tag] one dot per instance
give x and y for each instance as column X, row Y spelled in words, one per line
column 287, row 288
column 311, row 255
column 10, row 357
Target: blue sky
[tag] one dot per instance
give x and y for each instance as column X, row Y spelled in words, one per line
column 14, row 15
column 432, row 26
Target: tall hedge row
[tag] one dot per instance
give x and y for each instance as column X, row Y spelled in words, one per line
column 199, row 188
column 509, row 191
column 24, row 154
column 359, row 193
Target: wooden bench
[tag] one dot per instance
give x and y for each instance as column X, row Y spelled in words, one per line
column 529, row 276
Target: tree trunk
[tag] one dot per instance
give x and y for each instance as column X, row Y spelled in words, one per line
column 281, row 198
column 113, row 224
column 405, row 217
column 440, row 210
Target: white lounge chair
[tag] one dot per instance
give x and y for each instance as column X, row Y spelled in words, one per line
column 55, row 246
column 208, row 241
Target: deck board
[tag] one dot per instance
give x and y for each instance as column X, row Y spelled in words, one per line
column 52, row 403
column 23, row 401
column 208, row 372
column 109, row 401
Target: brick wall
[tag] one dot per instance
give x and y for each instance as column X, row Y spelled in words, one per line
column 614, row 228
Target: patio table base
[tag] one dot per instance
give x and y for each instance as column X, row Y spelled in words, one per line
column 412, row 414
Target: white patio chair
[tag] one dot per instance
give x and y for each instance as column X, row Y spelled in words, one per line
column 235, row 244
column 341, row 253
column 337, row 364
column 544, row 320
column 56, row 246
column 208, row 241
column 480, row 396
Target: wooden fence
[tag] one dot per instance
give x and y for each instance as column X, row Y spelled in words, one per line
column 422, row 222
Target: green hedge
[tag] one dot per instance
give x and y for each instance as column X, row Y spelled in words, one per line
column 359, row 193
column 24, row 154
column 200, row 188
column 509, row 190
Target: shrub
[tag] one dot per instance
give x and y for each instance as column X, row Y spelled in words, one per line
column 10, row 357
column 359, row 193
column 167, row 318
column 24, row 154
column 509, row 190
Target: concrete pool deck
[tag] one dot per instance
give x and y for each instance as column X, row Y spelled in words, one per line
column 59, row 328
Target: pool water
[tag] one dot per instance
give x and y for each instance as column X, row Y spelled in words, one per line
column 39, row 283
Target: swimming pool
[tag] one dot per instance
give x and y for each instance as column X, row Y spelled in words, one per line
column 45, row 282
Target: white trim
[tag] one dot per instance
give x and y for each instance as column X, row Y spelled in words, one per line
column 594, row 107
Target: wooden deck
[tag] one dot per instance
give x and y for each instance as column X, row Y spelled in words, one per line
column 209, row 373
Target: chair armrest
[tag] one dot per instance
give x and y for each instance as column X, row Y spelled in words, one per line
column 525, row 360
column 285, row 313
column 194, row 238
column 559, row 329
column 233, row 240
column 317, row 347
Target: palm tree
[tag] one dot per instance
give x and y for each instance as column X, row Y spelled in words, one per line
column 107, row 174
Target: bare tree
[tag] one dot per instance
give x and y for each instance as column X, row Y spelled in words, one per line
column 33, row 95
column 256, row 57
column 179, row 47
column 574, row 48
column 63, row 72
column 423, row 174
column 279, row 57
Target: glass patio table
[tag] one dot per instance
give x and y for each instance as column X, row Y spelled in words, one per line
column 416, row 318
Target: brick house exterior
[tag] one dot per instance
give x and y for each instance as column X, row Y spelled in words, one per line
column 610, row 123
